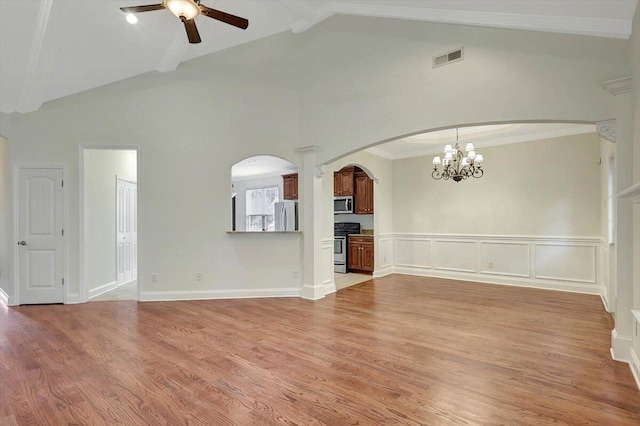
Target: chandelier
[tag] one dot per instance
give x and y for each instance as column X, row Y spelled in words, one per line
column 457, row 166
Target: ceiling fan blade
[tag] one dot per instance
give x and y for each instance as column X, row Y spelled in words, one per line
column 228, row 18
column 192, row 31
column 138, row 9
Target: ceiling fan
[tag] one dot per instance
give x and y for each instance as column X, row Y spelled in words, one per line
column 187, row 10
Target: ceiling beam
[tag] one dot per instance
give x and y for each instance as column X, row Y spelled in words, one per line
column 309, row 15
column 45, row 45
column 175, row 52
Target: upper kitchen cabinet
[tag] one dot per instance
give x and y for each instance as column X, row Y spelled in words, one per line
column 364, row 194
column 343, row 182
column 290, row 186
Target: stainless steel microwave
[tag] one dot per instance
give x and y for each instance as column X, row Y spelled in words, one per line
column 343, row 205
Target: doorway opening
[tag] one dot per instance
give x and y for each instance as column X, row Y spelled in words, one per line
column 109, row 231
column 353, row 225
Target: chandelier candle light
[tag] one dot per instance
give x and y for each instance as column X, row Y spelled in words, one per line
column 457, row 166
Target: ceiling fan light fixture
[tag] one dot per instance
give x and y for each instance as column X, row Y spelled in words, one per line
column 131, row 18
column 187, row 9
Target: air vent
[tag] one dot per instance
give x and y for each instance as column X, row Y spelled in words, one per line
column 449, row 57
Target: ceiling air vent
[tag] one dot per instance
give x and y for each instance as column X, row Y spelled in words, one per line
column 449, row 57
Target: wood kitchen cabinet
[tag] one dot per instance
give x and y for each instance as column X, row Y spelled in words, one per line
column 363, row 194
column 361, row 254
column 343, row 181
column 290, row 186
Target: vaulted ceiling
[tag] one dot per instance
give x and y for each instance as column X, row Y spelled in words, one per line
column 54, row 48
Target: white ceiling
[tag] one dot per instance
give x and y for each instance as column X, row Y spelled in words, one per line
column 54, row 48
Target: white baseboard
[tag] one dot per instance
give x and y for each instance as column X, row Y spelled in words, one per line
column 620, row 347
column 635, row 367
column 312, row 292
column 73, row 299
column 149, row 296
column 329, row 287
column 5, row 298
column 495, row 279
column 605, row 302
column 97, row 291
column 383, row 272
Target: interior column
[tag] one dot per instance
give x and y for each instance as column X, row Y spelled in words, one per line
column 311, row 206
column 621, row 334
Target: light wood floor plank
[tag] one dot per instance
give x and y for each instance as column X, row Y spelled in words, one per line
column 395, row 350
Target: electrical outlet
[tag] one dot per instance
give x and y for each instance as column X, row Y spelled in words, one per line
column 154, row 278
column 199, row 276
column 295, row 274
column 490, row 265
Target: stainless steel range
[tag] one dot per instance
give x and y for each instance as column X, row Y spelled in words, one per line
column 340, row 249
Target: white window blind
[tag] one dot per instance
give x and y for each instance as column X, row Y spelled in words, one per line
column 260, row 209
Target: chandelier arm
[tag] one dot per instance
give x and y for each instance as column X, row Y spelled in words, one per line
column 478, row 172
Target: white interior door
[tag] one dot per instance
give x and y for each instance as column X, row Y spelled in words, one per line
column 40, row 234
column 126, row 231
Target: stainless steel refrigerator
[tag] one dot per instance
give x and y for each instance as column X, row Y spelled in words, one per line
column 286, row 216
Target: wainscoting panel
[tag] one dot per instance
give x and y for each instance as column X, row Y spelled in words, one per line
column 567, row 262
column 327, row 266
column 455, row 255
column 414, row 253
column 557, row 263
column 385, row 244
column 604, row 275
column 505, row 258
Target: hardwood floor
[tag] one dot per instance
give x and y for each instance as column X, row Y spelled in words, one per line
column 396, row 350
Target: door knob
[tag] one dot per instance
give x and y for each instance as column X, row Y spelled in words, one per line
column 22, row 243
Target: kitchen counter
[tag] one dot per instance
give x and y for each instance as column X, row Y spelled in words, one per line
column 361, row 235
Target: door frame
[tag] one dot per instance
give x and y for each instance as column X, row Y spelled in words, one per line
column 82, row 288
column 16, row 228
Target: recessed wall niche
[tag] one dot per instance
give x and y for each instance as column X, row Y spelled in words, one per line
column 264, row 195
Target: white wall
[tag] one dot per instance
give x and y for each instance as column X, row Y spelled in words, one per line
column 6, row 233
column 542, row 188
column 101, row 166
column 344, row 84
column 241, row 186
column 369, row 80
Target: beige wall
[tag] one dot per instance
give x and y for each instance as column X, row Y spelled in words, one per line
column 101, row 166
column 541, row 188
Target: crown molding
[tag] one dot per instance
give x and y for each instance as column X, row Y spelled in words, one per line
column 599, row 27
column 618, row 86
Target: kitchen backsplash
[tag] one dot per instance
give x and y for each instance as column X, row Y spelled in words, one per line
column 365, row 220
